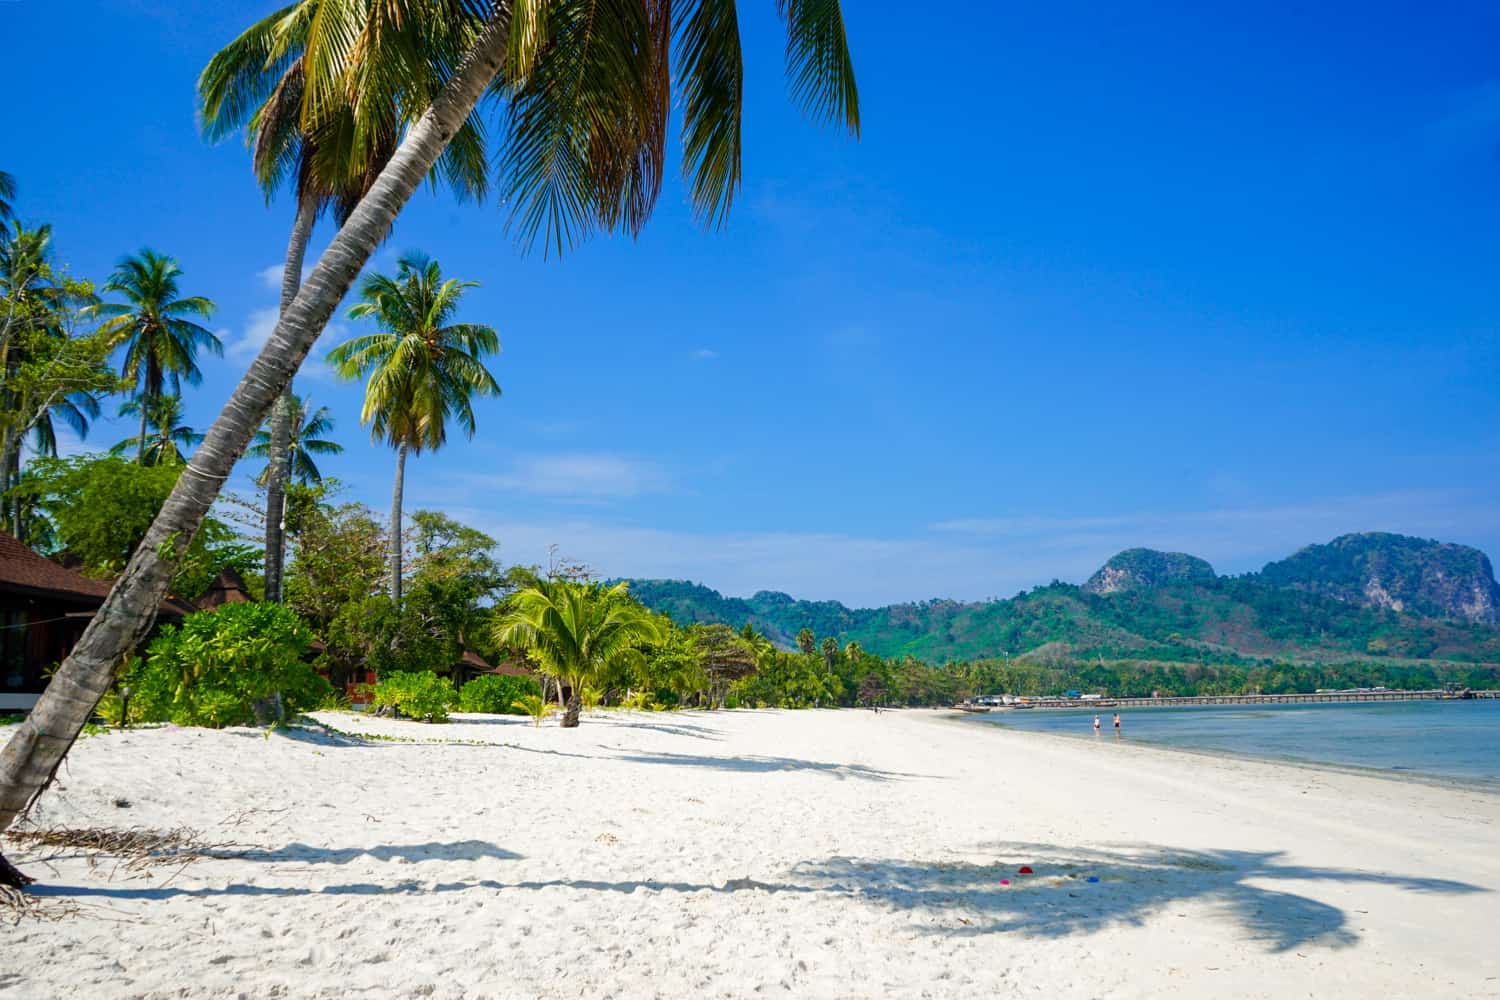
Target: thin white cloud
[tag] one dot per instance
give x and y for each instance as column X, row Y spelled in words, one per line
column 705, row 354
column 258, row 330
column 270, row 277
column 579, row 475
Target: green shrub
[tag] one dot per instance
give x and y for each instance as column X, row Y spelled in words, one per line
column 213, row 668
column 307, row 690
column 496, row 694
column 423, row 696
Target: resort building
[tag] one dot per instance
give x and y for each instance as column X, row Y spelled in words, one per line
column 44, row 608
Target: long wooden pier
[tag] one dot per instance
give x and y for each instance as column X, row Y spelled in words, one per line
column 1320, row 697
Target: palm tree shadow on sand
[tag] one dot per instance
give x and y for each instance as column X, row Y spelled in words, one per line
column 760, row 763
column 1135, row 883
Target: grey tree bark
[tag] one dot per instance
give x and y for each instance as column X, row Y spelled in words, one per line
column 396, row 524
column 38, row 745
column 140, row 442
column 10, row 462
column 278, row 466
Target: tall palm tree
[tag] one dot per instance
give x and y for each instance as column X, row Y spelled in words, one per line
column 622, row 154
column 422, row 368
column 161, row 341
column 305, row 441
column 303, row 84
column 579, row 632
column 166, row 438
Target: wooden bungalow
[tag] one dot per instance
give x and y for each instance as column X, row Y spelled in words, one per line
column 472, row 665
column 44, row 608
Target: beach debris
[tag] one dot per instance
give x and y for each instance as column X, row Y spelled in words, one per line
column 138, row 849
column 1092, row 878
column 1025, row 870
column 1005, row 881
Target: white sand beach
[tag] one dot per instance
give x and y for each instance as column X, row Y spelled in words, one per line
column 742, row 854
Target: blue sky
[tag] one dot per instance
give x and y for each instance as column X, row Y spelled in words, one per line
column 1222, row 282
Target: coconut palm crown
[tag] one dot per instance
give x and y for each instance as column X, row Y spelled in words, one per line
column 308, row 428
column 324, row 88
column 155, row 323
column 423, row 370
column 167, row 439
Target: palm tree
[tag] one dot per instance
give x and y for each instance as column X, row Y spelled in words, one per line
column 166, row 438
column 7, row 197
column 162, row 343
column 616, row 162
column 35, row 304
column 422, row 369
column 577, row 631
column 305, row 441
column 280, row 80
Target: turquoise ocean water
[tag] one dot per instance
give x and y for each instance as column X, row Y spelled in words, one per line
column 1443, row 739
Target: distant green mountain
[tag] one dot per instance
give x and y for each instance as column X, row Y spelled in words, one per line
column 1428, row 578
column 1137, row 569
column 1361, row 596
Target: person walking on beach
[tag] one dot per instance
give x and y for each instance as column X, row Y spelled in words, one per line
column 1117, row 723
column 1096, row 725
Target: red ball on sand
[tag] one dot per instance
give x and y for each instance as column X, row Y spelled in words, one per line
column 1025, row 870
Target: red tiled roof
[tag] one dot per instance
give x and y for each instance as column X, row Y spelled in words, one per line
column 22, row 568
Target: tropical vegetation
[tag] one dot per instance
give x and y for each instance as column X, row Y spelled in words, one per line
column 213, row 668
column 422, row 369
column 156, row 325
column 166, row 439
column 581, row 633
column 585, row 97
column 306, row 437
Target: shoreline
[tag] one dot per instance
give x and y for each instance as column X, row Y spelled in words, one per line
column 1413, row 776
column 837, row 854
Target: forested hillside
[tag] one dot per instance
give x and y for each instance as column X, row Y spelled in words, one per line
column 1153, row 606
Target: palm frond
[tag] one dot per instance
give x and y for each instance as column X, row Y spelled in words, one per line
column 240, row 76
column 575, row 125
column 710, row 66
column 818, row 64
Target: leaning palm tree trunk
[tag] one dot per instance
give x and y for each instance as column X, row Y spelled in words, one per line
column 279, row 465
column 33, row 754
column 396, row 525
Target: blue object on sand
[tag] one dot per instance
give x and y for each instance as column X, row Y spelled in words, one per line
column 1093, row 878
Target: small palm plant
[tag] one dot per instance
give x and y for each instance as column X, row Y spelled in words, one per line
column 535, row 706
column 580, row 632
